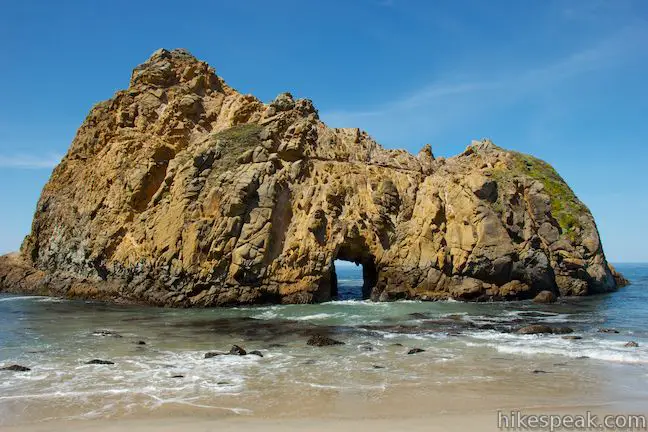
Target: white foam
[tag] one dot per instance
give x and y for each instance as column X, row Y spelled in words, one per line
column 19, row 298
column 592, row 347
column 318, row 316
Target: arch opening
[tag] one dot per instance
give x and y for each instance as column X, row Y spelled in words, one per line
column 353, row 273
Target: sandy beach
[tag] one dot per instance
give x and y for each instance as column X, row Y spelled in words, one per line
column 480, row 420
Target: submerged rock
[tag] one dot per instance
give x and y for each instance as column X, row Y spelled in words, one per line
column 211, row 354
column 100, row 362
column 415, row 351
column 109, row 333
column 15, row 368
column 319, row 340
column 256, row 353
column 631, row 344
column 181, row 191
column 608, row 330
column 535, row 329
column 544, row 329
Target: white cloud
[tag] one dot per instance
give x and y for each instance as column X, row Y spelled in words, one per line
column 27, row 161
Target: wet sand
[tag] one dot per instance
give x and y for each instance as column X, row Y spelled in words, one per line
column 483, row 420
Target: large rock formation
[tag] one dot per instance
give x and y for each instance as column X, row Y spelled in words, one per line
column 181, row 191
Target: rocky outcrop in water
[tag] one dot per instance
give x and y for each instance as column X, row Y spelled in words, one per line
column 181, row 191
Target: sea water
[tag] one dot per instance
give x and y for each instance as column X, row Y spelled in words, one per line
column 471, row 351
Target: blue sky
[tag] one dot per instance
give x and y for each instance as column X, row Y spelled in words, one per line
column 563, row 80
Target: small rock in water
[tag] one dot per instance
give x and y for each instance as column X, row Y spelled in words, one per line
column 214, row 354
column 608, row 330
column 256, row 353
column 419, row 315
column 545, row 297
column 140, row 343
column 16, row 368
column 544, row 329
column 106, row 333
column 100, row 362
column 415, row 351
column 320, row 341
column 177, row 376
column 378, row 367
column 539, row 371
column 237, row 350
column 535, row 329
column 572, row 337
column 397, row 344
column 631, row 344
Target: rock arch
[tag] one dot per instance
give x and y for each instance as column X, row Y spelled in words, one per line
column 205, row 196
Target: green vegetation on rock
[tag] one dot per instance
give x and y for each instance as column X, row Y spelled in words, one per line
column 231, row 143
column 565, row 206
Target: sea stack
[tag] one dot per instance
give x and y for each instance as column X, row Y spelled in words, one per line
column 181, row 191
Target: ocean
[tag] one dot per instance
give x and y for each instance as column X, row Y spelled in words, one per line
column 471, row 355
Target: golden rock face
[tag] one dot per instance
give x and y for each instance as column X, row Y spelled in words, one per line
column 181, row 191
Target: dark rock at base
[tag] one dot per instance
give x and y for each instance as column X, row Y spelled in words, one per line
column 319, row 340
column 619, row 279
column 256, row 353
column 100, row 362
column 415, row 351
column 15, row 368
column 140, row 343
column 237, row 350
column 177, row 376
column 545, row 297
column 608, row 330
column 106, row 333
column 535, row 329
column 572, row 337
column 214, row 354
column 223, row 383
column 631, row 344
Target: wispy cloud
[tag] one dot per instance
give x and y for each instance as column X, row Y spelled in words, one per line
column 27, row 161
column 448, row 99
